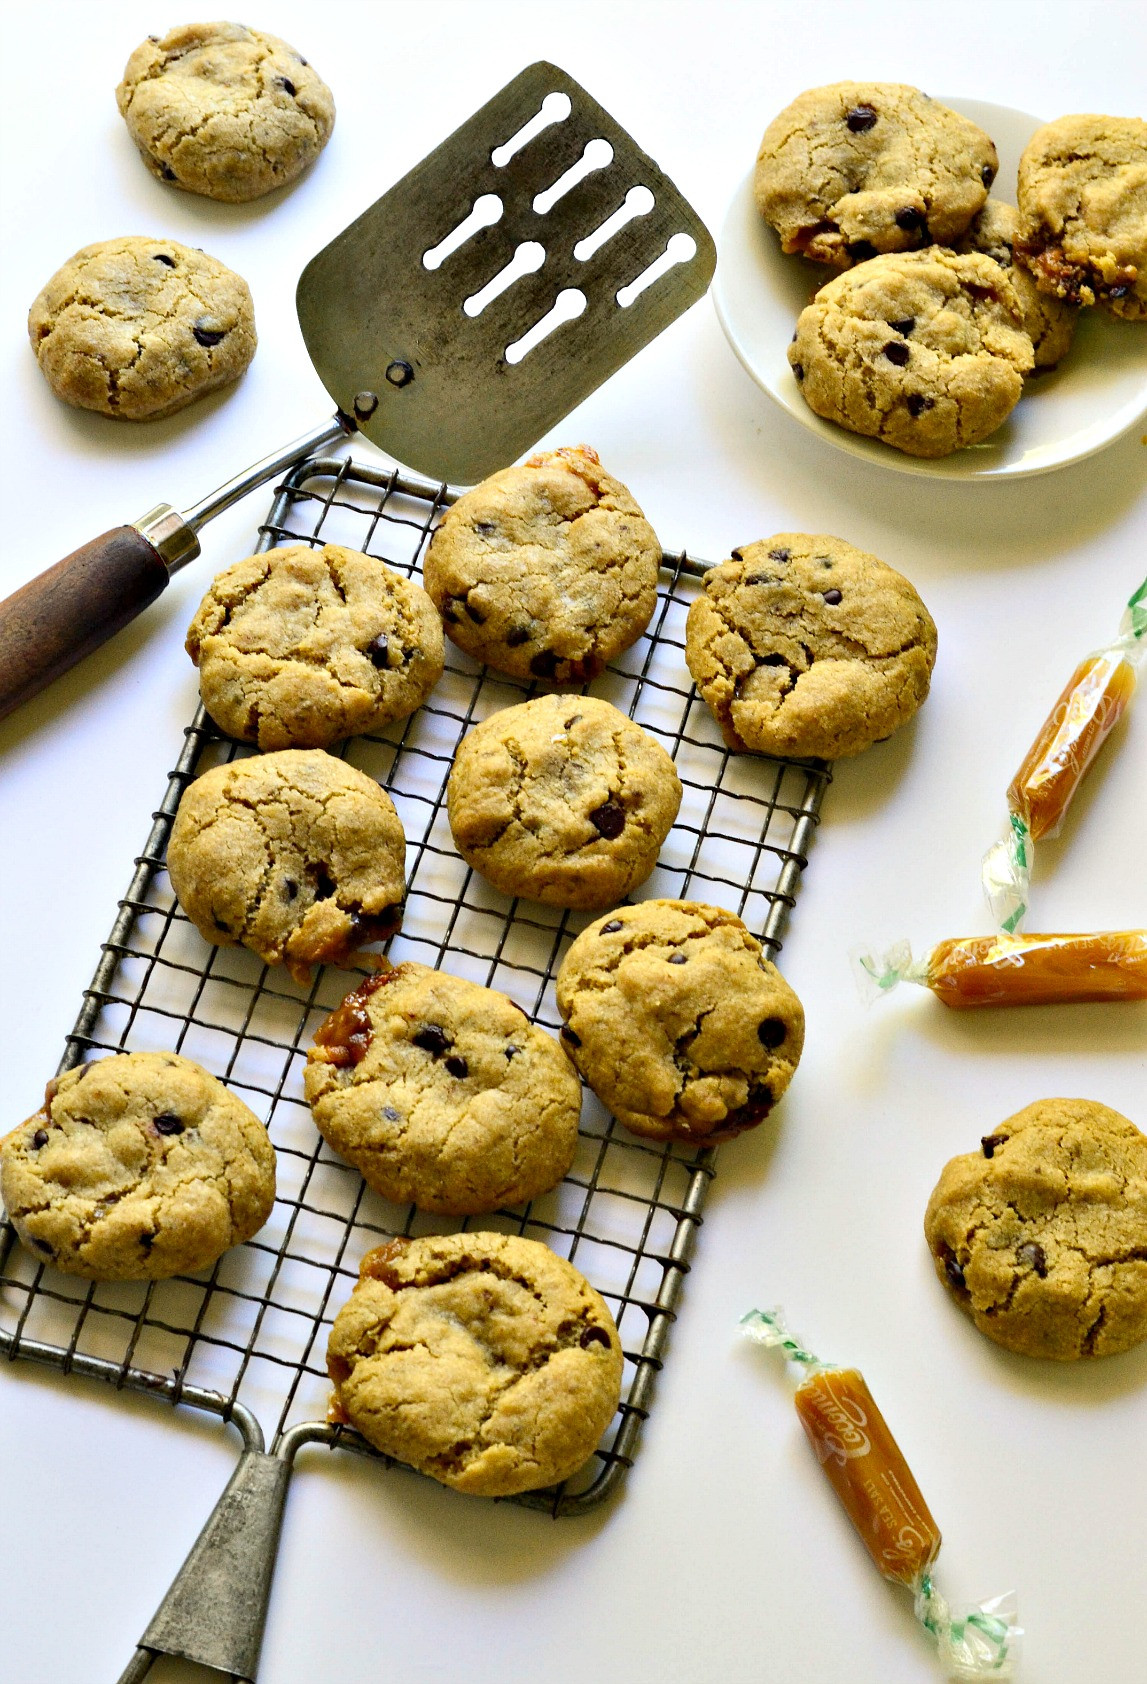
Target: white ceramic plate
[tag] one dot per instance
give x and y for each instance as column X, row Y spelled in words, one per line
column 1095, row 395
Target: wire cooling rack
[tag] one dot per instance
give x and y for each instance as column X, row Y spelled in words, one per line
column 248, row 1337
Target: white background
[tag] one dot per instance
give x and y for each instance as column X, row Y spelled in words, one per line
column 726, row 1557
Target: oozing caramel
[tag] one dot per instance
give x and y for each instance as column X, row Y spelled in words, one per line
column 1039, row 970
column 1069, row 739
column 868, row 1473
column 344, row 1037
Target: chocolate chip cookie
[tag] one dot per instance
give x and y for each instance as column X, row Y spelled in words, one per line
column 857, row 168
column 1048, row 322
column 225, row 111
column 562, row 799
column 926, row 350
column 442, row 1093
column 1083, row 212
column 804, row 646
column 548, row 570
column 137, row 1167
column 297, row 855
column 1041, row 1235
column 138, row 328
column 299, row 647
column 678, row 1022
column 483, row 1360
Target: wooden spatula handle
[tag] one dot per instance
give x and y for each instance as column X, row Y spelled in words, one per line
column 62, row 615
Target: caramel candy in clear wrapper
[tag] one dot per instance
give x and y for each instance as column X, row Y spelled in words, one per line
column 1071, row 736
column 868, row 1472
column 1039, row 970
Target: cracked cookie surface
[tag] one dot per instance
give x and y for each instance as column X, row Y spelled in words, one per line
column 137, row 1167
column 678, row 1022
column 483, row 1360
column 138, row 328
column 224, row 111
column 299, row 647
column 1083, row 211
column 1048, row 322
column 1041, row 1235
column 857, row 168
column 443, row 1093
column 804, row 646
column 548, row 570
column 297, row 855
column 925, row 350
column 562, row 799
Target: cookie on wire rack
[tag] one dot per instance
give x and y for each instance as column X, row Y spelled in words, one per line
column 483, row 1360
column 443, row 1093
column 804, row 646
column 297, row 855
column 137, row 1167
column 678, row 1022
column 299, row 647
column 562, row 799
column 547, row 570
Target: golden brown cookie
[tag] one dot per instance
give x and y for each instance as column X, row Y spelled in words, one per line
column 1049, row 322
column 857, row 168
column 139, row 328
column 925, row 350
column 548, row 570
column 300, row 647
column 1041, row 1235
column 483, row 1360
column 562, row 799
column 1083, row 211
column 805, row 646
column 678, row 1022
column 223, row 110
column 297, row 855
column 442, row 1093
column 137, row 1167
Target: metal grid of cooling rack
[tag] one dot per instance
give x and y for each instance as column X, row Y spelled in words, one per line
column 248, row 1337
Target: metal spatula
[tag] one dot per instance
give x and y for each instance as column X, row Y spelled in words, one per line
column 469, row 309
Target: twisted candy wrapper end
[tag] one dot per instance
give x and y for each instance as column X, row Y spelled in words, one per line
column 976, row 1643
column 1006, row 875
column 769, row 1328
column 875, row 973
column 1133, row 625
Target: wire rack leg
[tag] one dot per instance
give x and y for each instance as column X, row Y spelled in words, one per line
column 216, row 1608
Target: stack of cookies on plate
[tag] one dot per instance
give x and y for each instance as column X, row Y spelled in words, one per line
column 950, row 298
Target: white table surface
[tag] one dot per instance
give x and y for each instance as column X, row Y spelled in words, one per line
column 726, row 1557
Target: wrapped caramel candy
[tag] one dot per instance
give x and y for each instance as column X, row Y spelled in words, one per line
column 1026, row 970
column 867, row 1470
column 1054, row 767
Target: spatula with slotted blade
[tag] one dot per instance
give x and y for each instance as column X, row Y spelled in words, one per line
column 404, row 332
column 457, row 320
